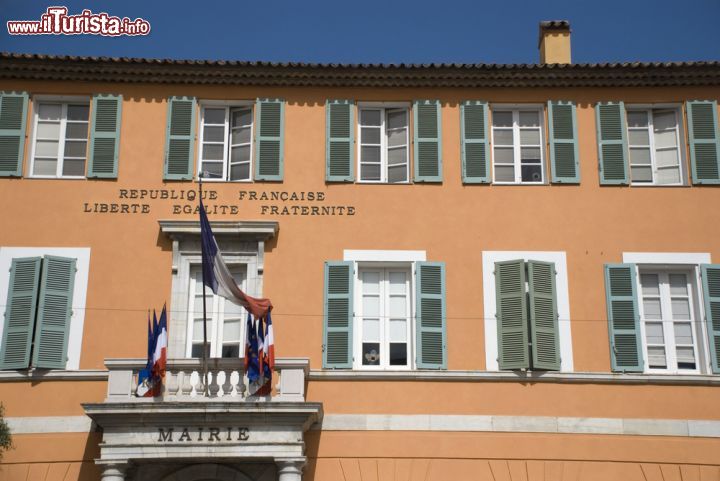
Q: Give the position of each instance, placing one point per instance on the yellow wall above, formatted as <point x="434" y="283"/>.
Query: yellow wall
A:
<point x="555" y="47"/>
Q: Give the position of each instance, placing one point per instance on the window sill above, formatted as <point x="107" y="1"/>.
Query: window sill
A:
<point x="48" y="177"/>
<point x="512" y="376"/>
<point x="35" y="375"/>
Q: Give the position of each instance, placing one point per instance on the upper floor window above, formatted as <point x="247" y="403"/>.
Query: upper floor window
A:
<point x="517" y="139"/>
<point x="226" y="143"/>
<point x="61" y="139"/>
<point x="654" y="141"/>
<point x="384" y="145"/>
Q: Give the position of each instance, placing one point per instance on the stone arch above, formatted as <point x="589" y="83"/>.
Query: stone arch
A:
<point x="207" y="472"/>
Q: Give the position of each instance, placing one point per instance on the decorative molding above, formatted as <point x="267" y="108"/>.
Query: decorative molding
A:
<point x="670" y="258"/>
<point x="261" y="229"/>
<point x="384" y="256"/>
<point x="50" y="424"/>
<point x="37" y="375"/>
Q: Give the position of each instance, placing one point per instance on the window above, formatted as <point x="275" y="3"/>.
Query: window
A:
<point x="61" y="139"/>
<point x="654" y="139"/>
<point x="384" y="317"/>
<point x="384" y="145"/>
<point x="44" y="306"/>
<point x="668" y="320"/>
<point x="517" y="139"/>
<point x="226" y="143"/>
<point x="225" y="320"/>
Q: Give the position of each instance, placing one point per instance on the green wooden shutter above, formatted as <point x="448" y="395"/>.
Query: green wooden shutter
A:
<point x="612" y="143"/>
<point x="511" y="315"/>
<point x="427" y="141"/>
<point x="269" y="134"/>
<point x="564" y="153"/>
<point x="105" y="136"/>
<point x="431" y="352"/>
<point x="20" y="312"/>
<point x="180" y="139"/>
<point x="339" y="141"/>
<point x="338" y="323"/>
<point x="545" y="333"/>
<point x="711" y="295"/>
<point x="704" y="141"/>
<point x="54" y="312"/>
<point x="13" y="118"/>
<point x="623" y="317"/>
<point x="474" y="139"/>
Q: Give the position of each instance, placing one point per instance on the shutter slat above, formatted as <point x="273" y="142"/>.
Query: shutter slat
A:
<point x="269" y="139"/>
<point x="711" y="296"/>
<point x="20" y="312"/>
<point x="704" y="141"/>
<point x="105" y="136"/>
<point x="338" y="315"/>
<point x="612" y="143"/>
<point x="623" y="318"/>
<point x="564" y="153"/>
<point x="13" y="119"/>
<point x="339" y="140"/>
<point x="180" y="139"/>
<point x="54" y="312"/>
<point x="511" y="315"/>
<point x="544" y="315"/>
<point x="427" y="141"/>
<point x="474" y="139"/>
<point x="431" y="351"/>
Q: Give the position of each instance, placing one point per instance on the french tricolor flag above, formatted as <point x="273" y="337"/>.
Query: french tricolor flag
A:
<point x="160" y="352"/>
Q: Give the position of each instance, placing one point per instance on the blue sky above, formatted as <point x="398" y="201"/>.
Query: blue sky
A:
<point x="389" y="31"/>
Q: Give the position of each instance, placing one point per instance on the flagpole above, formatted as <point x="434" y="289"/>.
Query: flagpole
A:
<point x="205" y="343"/>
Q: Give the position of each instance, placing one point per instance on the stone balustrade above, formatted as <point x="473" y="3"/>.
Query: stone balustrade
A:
<point x="226" y="381"/>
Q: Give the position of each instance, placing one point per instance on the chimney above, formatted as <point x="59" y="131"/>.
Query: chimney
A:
<point x="554" y="41"/>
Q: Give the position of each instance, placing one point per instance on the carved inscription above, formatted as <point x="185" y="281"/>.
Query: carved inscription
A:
<point x="211" y="434"/>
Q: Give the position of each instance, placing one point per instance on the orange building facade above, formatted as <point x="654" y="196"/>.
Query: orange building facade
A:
<point x="501" y="272"/>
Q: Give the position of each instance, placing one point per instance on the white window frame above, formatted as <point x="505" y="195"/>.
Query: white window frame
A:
<point x="77" y="318"/>
<point x="677" y="108"/>
<point x="215" y="308"/>
<point x="227" y="146"/>
<point x="688" y="262"/>
<point x="384" y="107"/>
<point x="489" y="258"/>
<point x="64" y="100"/>
<point x="517" y="147"/>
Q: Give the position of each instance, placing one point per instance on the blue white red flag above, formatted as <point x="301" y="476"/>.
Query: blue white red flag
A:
<point x="160" y="352"/>
<point x="144" y="387"/>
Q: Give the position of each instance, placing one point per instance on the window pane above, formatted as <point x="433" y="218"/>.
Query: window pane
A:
<point x="678" y="285"/>
<point x="241" y="117"/>
<point x="371" y="306"/>
<point x="214" y="116"/>
<point x="502" y="119"/>
<point x="78" y="112"/>
<point x="504" y="173"/>
<point x="241" y="136"/>
<point x="371" y="354"/>
<point x="397" y="282"/>
<point x="212" y="170"/>
<point x="45" y="167"/>
<point x="48" y="131"/>
<point x="240" y="154"/>
<point x="198" y="329"/>
<point x="668" y="176"/>
<point x="683" y="333"/>
<point x="397" y="156"/>
<point x="398" y="354"/>
<point x="213" y="152"/>
<point x="531" y="173"/>
<point x="641" y="174"/>
<point x="640" y="156"/>
<point x="370" y="172"/>
<point x="666" y="158"/>
<point x="370" y="154"/>
<point x="46" y="148"/>
<point x="76" y="131"/>
<point x="680" y="309"/>
<point x="638" y="137"/>
<point x="396" y="119"/>
<point x="529" y="137"/>
<point x="214" y="134"/>
<point x="398" y="330"/>
<point x="49" y="112"/>
<point x="530" y="155"/>
<point x="231" y="330"/>
<point x="667" y="138"/>
<point x="529" y="119"/>
<point x="503" y="137"/>
<point x="370" y="117"/>
<point x="397" y="137"/>
<point x="654" y="333"/>
<point x="504" y="155"/>
<point x="240" y="172"/>
<point x="652" y="309"/>
<point x="231" y="350"/>
<point x="75" y="148"/>
<point x="371" y="282"/>
<point x="197" y="350"/>
<point x="664" y="120"/>
<point x="637" y="119"/>
<point x="74" y="167"/>
<point x="398" y="306"/>
<point x="370" y="135"/>
<point x="650" y="284"/>
<point x="656" y="357"/>
<point x="397" y="173"/>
